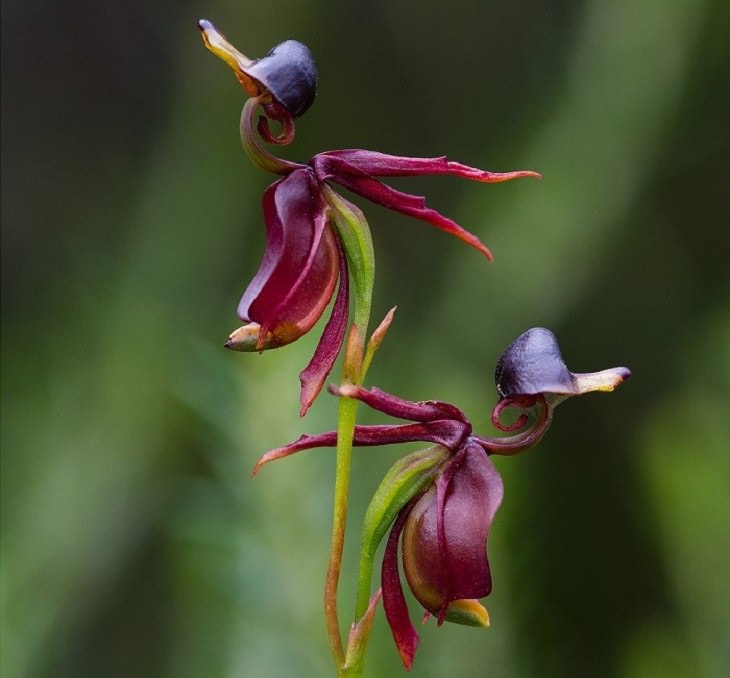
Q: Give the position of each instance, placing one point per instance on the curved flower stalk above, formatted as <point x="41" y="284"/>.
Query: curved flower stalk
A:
<point x="306" y="255"/>
<point x="441" y="501"/>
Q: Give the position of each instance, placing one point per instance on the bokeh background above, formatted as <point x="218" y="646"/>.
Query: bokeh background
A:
<point x="134" y="542"/>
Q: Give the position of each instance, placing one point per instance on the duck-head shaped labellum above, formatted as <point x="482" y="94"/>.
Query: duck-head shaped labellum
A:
<point x="287" y="73"/>
<point x="533" y="365"/>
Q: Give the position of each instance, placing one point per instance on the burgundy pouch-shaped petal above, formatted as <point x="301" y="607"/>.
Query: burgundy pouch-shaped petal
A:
<point x="300" y="266"/>
<point x="445" y="534"/>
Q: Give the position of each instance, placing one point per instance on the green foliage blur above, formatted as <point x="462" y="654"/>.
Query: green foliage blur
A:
<point x="134" y="542"/>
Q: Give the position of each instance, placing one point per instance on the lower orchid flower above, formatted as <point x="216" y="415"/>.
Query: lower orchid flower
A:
<point x="440" y="502"/>
<point x="444" y="548"/>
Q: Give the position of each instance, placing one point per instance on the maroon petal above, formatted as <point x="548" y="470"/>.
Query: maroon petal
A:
<point x="427" y="410"/>
<point x="445" y="536"/>
<point x="303" y="442"/>
<point x="316" y="372"/>
<point x="299" y="270"/>
<point x="475" y="488"/>
<point x="331" y="167"/>
<point x="383" y="165"/>
<point x="394" y="602"/>
<point x="446" y="432"/>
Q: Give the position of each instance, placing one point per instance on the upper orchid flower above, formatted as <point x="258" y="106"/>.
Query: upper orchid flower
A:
<point x="442" y="500"/>
<point x="315" y="239"/>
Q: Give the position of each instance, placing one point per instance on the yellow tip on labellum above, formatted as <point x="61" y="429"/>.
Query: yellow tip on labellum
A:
<point x="468" y="612"/>
<point x="605" y="380"/>
<point x="217" y="43"/>
<point x="246" y="339"/>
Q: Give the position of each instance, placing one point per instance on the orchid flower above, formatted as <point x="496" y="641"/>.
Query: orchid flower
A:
<point x="441" y="501"/>
<point x="310" y="249"/>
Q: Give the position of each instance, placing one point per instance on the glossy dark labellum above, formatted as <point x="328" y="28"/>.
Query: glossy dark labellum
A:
<point x="533" y="364"/>
<point x="289" y="73"/>
<point x="286" y="76"/>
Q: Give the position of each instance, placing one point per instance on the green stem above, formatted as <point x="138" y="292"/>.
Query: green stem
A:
<point x="347" y="417"/>
<point x="364" y="582"/>
<point x="355" y="237"/>
<point x="347" y="413"/>
<point x="407" y="478"/>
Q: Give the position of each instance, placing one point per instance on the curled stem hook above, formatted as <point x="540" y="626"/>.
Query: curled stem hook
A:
<point x="252" y="129"/>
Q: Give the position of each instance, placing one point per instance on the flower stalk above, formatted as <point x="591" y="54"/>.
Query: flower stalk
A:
<point x="357" y="242"/>
<point x="256" y="152"/>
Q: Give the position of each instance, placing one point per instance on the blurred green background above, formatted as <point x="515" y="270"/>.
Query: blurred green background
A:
<point x="133" y="541"/>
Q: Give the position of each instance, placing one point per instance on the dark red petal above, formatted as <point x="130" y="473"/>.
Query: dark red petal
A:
<point x="303" y="442"/>
<point x="334" y="168"/>
<point x="443" y="487"/>
<point x="453" y="565"/>
<point x="383" y="165"/>
<point x="316" y="372"/>
<point x="394" y="602"/>
<point x="427" y="410"/>
<point x="300" y="266"/>
<point x="475" y="488"/>
<point x="444" y="432"/>
<point x="273" y="253"/>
